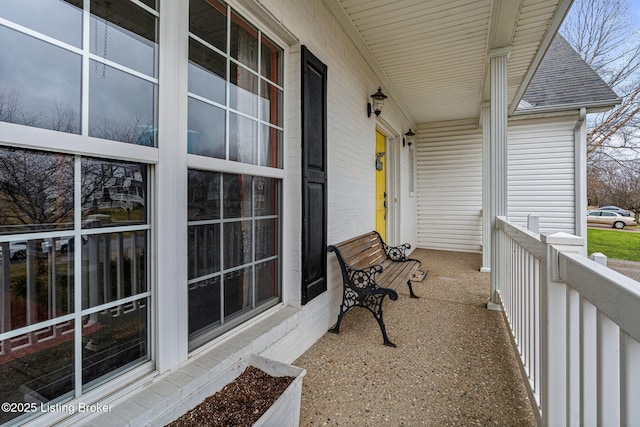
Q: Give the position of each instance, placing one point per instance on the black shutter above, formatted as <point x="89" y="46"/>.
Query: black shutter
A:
<point x="314" y="176"/>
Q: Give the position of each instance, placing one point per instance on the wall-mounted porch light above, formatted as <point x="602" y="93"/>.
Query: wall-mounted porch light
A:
<point x="409" y="138"/>
<point x="378" y="103"/>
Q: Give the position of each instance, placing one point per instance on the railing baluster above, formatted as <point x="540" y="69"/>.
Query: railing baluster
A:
<point x="574" y="358"/>
<point x="608" y="372"/>
<point x="589" y="368"/>
<point x="630" y="377"/>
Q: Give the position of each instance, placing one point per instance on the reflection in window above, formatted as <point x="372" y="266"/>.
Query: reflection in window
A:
<point x="124" y="33"/>
<point x="206" y="129"/>
<point x="121" y="105"/>
<point x="36" y="280"/>
<point x="30" y="97"/>
<point x="60" y="20"/>
<point x="114" y="267"/>
<point x="37" y="366"/>
<point x="36" y="191"/>
<point x="113" y="193"/>
<point x="234" y="256"/>
<point x="115" y="338"/>
<point x="207" y="73"/>
<point x="52" y="280"/>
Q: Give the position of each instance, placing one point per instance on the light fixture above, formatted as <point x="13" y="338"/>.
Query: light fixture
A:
<point x="409" y="138"/>
<point x="378" y="103"/>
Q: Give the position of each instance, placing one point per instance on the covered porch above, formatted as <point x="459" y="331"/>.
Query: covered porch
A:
<point x="562" y="347"/>
<point x="454" y="364"/>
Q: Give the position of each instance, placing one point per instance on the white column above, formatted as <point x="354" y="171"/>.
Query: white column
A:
<point x="170" y="221"/>
<point x="498" y="157"/>
<point x="485" y="121"/>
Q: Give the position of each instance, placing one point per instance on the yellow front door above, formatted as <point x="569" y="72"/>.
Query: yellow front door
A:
<point x="381" y="186"/>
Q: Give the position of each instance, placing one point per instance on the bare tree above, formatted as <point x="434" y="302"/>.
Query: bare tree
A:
<point x="607" y="37"/>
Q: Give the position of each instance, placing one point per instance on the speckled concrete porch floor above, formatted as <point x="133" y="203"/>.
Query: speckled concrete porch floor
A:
<point x="454" y="365"/>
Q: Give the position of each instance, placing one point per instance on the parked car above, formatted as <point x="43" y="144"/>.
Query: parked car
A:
<point x="615" y="209"/>
<point x="17" y="251"/>
<point x="610" y="219"/>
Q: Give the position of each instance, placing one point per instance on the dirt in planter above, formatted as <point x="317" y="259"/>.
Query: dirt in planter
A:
<point x="240" y="403"/>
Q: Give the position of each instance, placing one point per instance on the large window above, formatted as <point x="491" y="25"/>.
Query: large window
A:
<point x="235" y="114"/>
<point x="73" y="269"/>
<point x="75" y="226"/>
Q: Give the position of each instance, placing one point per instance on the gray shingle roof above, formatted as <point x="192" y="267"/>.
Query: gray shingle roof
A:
<point x="563" y="78"/>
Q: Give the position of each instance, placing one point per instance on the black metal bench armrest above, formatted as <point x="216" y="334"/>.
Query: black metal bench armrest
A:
<point x="360" y="280"/>
<point x="396" y="253"/>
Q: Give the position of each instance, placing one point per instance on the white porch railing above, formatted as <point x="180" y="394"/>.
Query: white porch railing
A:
<point x="576" y="328"/>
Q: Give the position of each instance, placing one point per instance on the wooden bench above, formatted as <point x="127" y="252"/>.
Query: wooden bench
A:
<point x="372" y="270"/>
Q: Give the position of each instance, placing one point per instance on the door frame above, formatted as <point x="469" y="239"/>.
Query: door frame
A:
<point x="393" y="143"/>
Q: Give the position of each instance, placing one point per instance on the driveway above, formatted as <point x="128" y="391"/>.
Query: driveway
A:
<point x="628" y="268"/>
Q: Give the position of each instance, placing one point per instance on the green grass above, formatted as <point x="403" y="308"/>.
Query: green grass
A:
<point x="614" y="244"/>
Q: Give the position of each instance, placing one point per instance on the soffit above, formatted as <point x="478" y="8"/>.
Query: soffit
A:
<point x="432" y="54"/>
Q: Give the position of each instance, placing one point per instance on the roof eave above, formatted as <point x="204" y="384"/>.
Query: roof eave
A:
<point x="591" y="107"/>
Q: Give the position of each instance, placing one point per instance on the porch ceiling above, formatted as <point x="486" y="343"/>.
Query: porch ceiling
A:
<point x="431" y="55"/>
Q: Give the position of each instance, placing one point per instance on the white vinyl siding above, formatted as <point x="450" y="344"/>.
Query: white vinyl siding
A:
<point x="541" y="172"/>
<point x="449" y="184"/>
<point x="449" y="188"/>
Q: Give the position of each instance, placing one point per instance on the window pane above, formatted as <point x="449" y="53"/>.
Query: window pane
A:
<point x="121" y="106"/>
<point x="243" y="90"/>
<point x="267" y="280"/>
<point x="271" y="61"/>
<point x="237" y="243"/>
<point x="61" y="20"/>
<point x="237" y="292"/>
<point x="204" y="250"/>
<point x="204" y="304"/>
<point x="36" y="281"/>
<point x="207" y="73"/>
<point x="150" y="3"/>
<point x="267" y="198"/>
<point x="267" y="233"/>
<point x="113" y="267"/>
<point x="271" y="104"/>
<point x="129" y="36"/>
<point x="36" y="191"/>
<point x="244" y="42"/>
<point x="113" y="193"/>
<point x="206" y="130"/>
<point x="115" y="338"/>
<point x="208" y="20"/>
<point x="37" y="367"/>
<point x="203" y="195"/>
<point x="243" y="139"/>
<point x="31" y="97"/>
<point x="237" y="196"/>
<point x="270" y="147"/>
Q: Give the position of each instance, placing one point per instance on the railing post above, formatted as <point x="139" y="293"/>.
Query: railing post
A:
<point x="557" y="377"/>
<point x="600" y="258"/>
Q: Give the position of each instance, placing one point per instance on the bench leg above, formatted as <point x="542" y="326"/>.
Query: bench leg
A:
<point x="411" y="290"/>
<point x="374" y="305"/>
<point x="386" y="339"/>
<point x="336" y="328"/>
